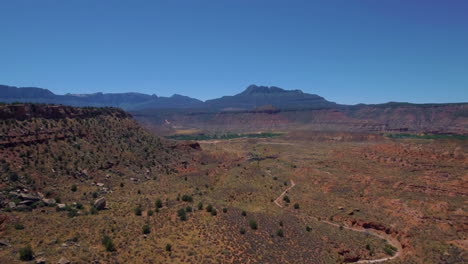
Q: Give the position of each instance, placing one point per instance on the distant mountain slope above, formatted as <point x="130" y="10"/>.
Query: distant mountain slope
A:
<point x="253" y="97"/>
<point x="127" y="101"/>
<point x="258" y="96"/>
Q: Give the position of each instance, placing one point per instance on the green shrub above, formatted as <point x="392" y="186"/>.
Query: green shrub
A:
<point x="19" y="226"/>
<point x="253" y="224"/>
<point x="286" y="199"/>
<point x="146" y="229"/>
<point x="244" y="213"/>
<point x="138" y="211"/>
<point x="280" y="223"/>
<point x="390" y="250"/>
<point x="79" y="206"/>
<point x="108" y="244"/>
<point x="225" y="210"/>
<point x="159" y="203"/>
<point x="209" y="208"/>
<point x="26" y="253"/>
<point x="296" y="206"/>
<point x="308" y="228"/>
<point x="182" y="214"/>
<point x="280" y="233"/>
<point x="13" y="176"/>
<point x="214" y="212"/>
<point x="74" y="188"/>
<point x="187" y="198"/>
<point x="72" y="213"/>
<point x="200" y="206"/>
<point x="121" y="185"/>
<point x="93" y="211"/>
<point x="188" y="209"/>
<point x="242" y="231"/>
<point x="168" y="247"/>
<point x="150" y="212"/>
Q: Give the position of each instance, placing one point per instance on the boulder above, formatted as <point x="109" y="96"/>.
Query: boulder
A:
<point x="63" y="261"/>
<point x="100" y="203"/>
<point x="49" y="202"/>
<point x="27" y="196"/>
<point x="41" y="261"/>
<point x="61" y="206"/>
<point x="12" y="205"/>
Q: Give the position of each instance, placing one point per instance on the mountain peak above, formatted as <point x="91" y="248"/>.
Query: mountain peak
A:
<point x="254" y="89"/>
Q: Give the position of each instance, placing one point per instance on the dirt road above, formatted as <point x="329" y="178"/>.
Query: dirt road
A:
<point x="382" y="235"/>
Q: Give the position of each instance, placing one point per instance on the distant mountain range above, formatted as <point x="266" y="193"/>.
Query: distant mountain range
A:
<point x="126" y="101"/>
<point x="260" y="108"/>
<point x="253" y="97"/>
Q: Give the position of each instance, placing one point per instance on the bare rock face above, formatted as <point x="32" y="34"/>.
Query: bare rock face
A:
<point x="100" y="203"/>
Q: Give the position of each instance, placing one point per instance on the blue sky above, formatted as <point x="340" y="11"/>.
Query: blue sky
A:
<point x="348" y="51"/>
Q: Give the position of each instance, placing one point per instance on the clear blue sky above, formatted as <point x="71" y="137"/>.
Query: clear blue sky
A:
<point x="348" y="51"/>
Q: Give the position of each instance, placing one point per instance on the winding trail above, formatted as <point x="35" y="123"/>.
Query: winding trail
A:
<point x="382" y="235"/>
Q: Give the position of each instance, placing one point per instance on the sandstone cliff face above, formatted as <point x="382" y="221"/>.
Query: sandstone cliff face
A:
<point x="28" y="111"/>
<point x="390" y="118"/>
<point x="50" y="143"/>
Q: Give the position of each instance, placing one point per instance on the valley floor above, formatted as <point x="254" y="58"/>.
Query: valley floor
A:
<point x="288" y="199"/>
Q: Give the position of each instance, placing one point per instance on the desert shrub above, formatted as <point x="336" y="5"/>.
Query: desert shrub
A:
<point x="121" y="185"/>
<point x="19" y="226"/>
<point x="72" y="213"/>
<point x="253" y="224"/>
<point x="244" y="213"/>
<point x="95" y="195"/>
<point x="79" y="206"/>
<point x="168" y="247"/>
<point x="187" y="198"/>
<point x="225" y="210"/>
<point x="209" y="208"/>
<point x="93" y="210"/>
<point x="280" y="233"/>
<point x="13" y="176"/>
<point x="26" y="253"/>
<point x="390" y="250"/>
<point x="182" y="214"/>
<point x="308" y="228"/>
<point x="296" y="206"/>
<point x="286" y="199"/>
<point x="280" y="223"/>
<point x="150" y="212"/>
<point x="74" y="188"/>
<point x="242" y="231"/>
<point x="146" y="229"/>
<point x="200" y="206"/>
<point x="214" y="212"/>
<point x="108" y="244"/>
<point x="137" y="211"/>
<point x="188" y="209"/>
<point x="159" y="203"/>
